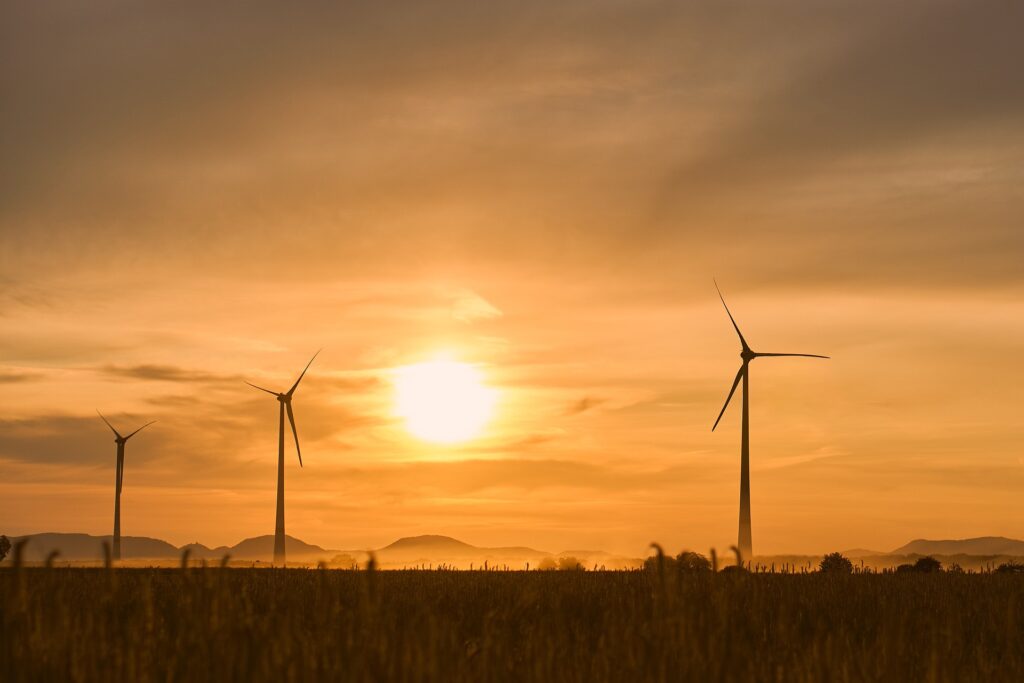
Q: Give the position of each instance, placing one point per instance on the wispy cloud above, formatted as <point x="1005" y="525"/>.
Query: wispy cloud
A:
<point x="165" y="373"/>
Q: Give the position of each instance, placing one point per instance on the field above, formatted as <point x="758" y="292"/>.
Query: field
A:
<point x="316" y="624"/>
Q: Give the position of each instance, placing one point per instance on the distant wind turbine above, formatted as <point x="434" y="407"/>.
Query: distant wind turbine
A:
<point x="745" y="544"/>
<point x="119" y="480"/>
<point x="285" y="400"/>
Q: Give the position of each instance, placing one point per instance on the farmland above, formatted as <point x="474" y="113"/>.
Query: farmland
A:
<point x="305" y="624"/>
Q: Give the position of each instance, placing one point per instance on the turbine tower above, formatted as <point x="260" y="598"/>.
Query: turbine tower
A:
<point x="285" y="400"/>
<point x="745" y="544"/>
<point x="119" y="480"/>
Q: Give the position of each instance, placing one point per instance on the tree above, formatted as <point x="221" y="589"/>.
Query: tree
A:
<point x="927" y="565"/>
<point x="344" y="561"/>
<point x="924" y="565"/>
<point x="835" y="563"/>
<point x="688" y="561"/>
<point x="5" y="547"/>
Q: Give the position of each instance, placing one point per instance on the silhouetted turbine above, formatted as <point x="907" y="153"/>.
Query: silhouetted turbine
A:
<point x="119" y="480"/>
<point x="285" y="400"/>
<point x="745" y="543"/>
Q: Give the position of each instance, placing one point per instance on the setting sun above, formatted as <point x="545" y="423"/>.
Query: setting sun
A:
<point x="442" y="400"/>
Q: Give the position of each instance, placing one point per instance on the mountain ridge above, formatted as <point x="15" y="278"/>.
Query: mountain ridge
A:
<point x="426" y="550"/>
<point x="980" y="545"/>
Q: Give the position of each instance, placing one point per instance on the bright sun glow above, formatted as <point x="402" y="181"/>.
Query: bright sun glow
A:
<point x="443" y="400"/>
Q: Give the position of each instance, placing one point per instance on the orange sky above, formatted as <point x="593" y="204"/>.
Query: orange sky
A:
<point x="192" y="197"/>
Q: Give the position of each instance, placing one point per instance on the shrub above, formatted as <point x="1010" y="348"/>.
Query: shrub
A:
<point x="569" y="562"/>
<point x="1011" y="567"/>
<point x="5" y="547"/>
<point x="687" y="561"/>
<point x="344" y="561"/>
<point x="547" y="564"/>
<point x="927" y="565"/>
<point x="835" y="563"/>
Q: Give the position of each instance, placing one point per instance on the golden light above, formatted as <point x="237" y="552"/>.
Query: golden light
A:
<point x="443" y="400"/>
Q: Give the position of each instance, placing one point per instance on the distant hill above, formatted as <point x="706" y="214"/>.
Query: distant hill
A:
<point x="85" y="547"/>
<point x="984" y="545"/>
<point x="434" y="550"/>
<point x="262" y="548"/>
<point x="431" y="542"/>
<point x="862" y="552"/>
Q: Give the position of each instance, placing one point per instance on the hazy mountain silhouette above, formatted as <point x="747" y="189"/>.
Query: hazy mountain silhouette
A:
<point x="84" y="547"/>
<point x="862" y="552"/>
<point x="262" y="547"/>
<point x="75" y="547"/>
<point x="431" y="542"/>
<point x="984" y="545"/>
<point x="434" y="550"/>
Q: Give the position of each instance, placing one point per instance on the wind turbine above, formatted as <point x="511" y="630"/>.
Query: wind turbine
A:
<point x="119" y="480"/>
<point x="745" y="544"/>
<point x="285" y="400"/>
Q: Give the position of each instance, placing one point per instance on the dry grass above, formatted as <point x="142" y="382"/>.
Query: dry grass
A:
<point x="295" y="624"/>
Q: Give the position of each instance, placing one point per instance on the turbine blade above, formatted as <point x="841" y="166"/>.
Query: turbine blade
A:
<point x="120" y="476"/>
<point x="728" y="398"/>
<point x="729" y="313"/>
<point x="272" y="393"/>
<point x="109" y="425"/>
<point x="295" y="432"/>
<point x="138" y="430"/>
<point x="296" y="385"/>
<point x="800" y="355"/>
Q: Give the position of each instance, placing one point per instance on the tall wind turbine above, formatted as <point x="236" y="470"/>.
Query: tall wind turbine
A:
<point x="747" y="354"/>
<point x="119" y="480"/>
<point x="285" y="400"/>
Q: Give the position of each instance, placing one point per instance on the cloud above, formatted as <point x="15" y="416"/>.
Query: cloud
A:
<point x="469" y="307"/>
<point x="165" y="373"/>
<point x="558" y="139"/>
<point x="583" y="405"/>
<point x="14" y="377"/>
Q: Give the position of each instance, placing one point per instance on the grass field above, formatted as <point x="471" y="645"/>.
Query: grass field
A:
<point x="308" y="624"/>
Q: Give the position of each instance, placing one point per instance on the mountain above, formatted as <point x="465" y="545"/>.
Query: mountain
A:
<point x="262" y="548"/>
<point x="856" y="553"/>
<point x="984" y="545"/>
<point x="433" y="549"/>
<point x="86" y="548"/>
<point x="444" y="550"/>
<point x="199" y="551"/>
<point x="431" y="542"/>
<point x="73" y="547"/>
